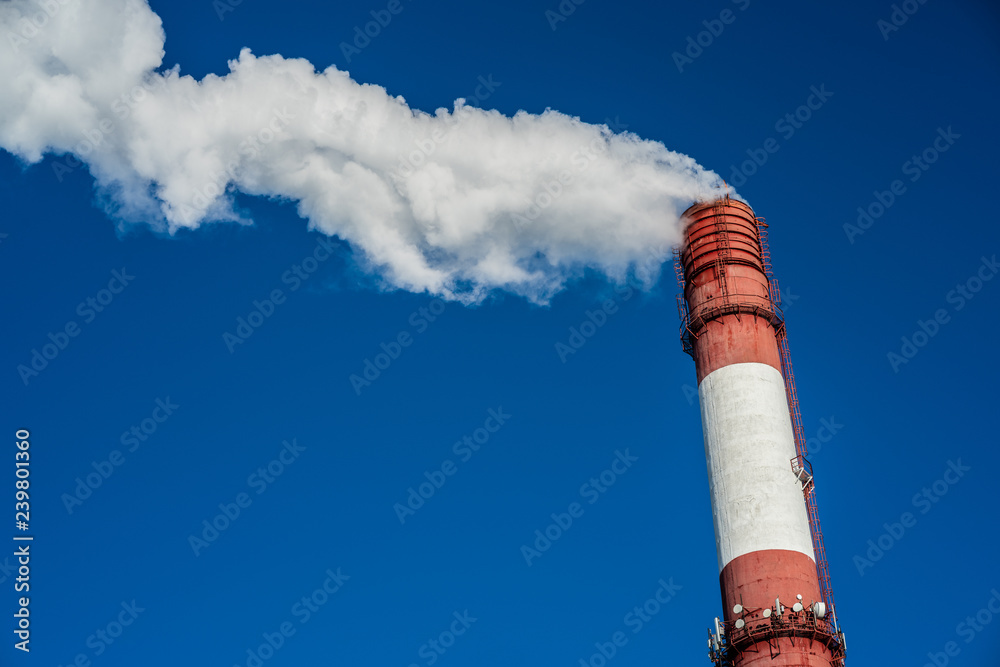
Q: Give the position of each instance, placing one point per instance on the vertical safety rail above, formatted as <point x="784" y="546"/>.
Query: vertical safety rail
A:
<point x="682" y="306"/>
<point x="822" y="566"/>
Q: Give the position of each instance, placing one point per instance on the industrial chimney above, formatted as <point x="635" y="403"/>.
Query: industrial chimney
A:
<point x="778" y="607"/>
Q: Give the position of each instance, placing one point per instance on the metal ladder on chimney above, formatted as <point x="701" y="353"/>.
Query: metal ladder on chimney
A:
<point x="723" y="252"/>
<point x="800" y="464"/>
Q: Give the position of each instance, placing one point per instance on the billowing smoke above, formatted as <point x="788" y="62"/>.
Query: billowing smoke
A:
<point x="456" y="203"/>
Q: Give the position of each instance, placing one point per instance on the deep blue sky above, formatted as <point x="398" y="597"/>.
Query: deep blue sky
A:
<point x="849" y="305"/>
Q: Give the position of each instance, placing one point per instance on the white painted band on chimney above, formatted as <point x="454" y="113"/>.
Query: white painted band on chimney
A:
<point x="757" y="502"/>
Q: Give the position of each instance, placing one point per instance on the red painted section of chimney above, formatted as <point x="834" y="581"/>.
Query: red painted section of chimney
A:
<point x="757" y="579"/>
<point x="738" y="249"/>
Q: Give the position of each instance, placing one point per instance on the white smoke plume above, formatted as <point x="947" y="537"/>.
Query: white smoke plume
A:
<point x="456" y="203"/>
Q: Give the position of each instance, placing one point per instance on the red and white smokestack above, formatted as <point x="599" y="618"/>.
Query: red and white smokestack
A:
<point x="767" y="565"/>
